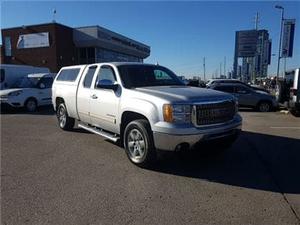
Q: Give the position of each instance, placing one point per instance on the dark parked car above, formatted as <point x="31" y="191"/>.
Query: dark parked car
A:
<point x="212" y="82"/>
<point x="248" y="97"/>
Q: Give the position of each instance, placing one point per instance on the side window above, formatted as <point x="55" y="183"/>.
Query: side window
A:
<point x="47" y="81"/>
<point x="89" y="76"/>
<point x="2" y="75"/>
<point x="241" y="90"/>
<point x="68" y="75"/>
<point x="161" y="75"/>
<point x="106" y="73"/>
<point x="228" y="89"/>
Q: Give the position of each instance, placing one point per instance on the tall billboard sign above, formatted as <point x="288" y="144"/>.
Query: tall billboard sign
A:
<point x="288" y="38"/>
<point x="246" y="43"/>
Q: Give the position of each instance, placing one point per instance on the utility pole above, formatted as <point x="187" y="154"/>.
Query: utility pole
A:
<point x="284" y="68"/>
<point x="256" y="21"/>
<point x="279" y="47"/>
<point x="54" y="14"/>
<point x="204" y="69"/>
<point x="225" y="66"/>
<point x="220" y="69"/>
<point x="253" y="61"/>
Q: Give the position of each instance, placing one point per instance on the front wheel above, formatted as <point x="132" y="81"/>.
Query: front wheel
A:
<point x="64" y="121"/>
<point x="138" y="143"/>
<point x="31" y="105"/>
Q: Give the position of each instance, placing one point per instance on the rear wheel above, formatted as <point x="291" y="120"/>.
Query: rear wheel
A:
<point x="295" y="112"/>
<point x="64" y="121"/>
<point x="264" y="107"/>
<point x="138" y="143"/>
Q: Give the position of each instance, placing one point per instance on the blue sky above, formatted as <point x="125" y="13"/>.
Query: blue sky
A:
<point x="180" y="33"/>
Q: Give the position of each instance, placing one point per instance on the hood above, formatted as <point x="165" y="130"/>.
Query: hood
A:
<point x="7" y="91"/>
<point x="185" y="93"/>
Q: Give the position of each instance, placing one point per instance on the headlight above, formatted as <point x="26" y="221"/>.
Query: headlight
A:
<point x="236" y="105"/>
<point x="177" y="113"/>
<point x="15" y="93"/>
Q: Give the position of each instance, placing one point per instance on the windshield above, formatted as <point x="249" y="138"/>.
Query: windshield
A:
<point x="134" y="76"/>
<point x="27" y="82"/>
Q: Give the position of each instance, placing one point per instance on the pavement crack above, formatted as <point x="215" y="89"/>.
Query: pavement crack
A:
<point x="273" y="177"/>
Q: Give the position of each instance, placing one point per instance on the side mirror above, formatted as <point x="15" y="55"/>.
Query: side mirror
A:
<point x="107" y="84"/>
<point x="42" y="86"/>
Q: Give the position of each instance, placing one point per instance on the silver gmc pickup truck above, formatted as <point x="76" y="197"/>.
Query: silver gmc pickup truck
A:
<point x="146" y="107"/>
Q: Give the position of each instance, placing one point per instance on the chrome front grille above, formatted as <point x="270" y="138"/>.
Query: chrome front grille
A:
<point x="214" y="113"/>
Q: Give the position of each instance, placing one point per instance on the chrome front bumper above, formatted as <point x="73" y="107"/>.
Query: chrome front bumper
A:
<point x="168" y="142"/>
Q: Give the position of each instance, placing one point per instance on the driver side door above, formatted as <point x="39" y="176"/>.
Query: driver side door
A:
<point x="104" y="102"/>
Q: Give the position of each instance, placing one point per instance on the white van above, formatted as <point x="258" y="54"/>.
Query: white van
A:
<point x="29" y="91"/>
<point x="10" y="73"/>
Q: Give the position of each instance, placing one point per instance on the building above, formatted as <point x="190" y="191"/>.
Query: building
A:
<point x="1" y="55"/>
<point x="47" y="45"/>
<point x="97" y="44"/>
<point x="254" y="48"/>
<point x="54" y="45"/>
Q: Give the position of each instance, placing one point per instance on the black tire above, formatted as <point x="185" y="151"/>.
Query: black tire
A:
<point x="264" y="106"/>
<point x="31" y="105"/>
<point x="138" y="143"/>
<point x="295" y="112"/>
<point x="64" y="121"/>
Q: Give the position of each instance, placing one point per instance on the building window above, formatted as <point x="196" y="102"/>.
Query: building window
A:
<point x="7" y="44"/>
<point x="103" y="55"/>
<point x="86" y="55"/>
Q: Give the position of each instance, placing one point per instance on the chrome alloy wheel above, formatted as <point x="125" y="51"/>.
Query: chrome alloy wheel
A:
<point x="136" y="145"/>
<point x="61" y="115"/>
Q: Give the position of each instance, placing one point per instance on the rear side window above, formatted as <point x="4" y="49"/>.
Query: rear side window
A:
<point x="47" y="81"/>
<point x="242" y="90"/>
<point x="228" y="89"/>
<point x="68" y="75"/>
<point x="2" y="75"/>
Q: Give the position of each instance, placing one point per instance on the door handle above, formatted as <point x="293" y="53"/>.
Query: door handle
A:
<point x="94" y="96"/>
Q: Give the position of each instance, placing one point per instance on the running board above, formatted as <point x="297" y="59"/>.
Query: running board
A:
<point x="100" y="132"/>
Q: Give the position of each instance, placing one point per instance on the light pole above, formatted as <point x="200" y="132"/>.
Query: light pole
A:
<point x="204" y="69"/>
<point x="279" y="48"/>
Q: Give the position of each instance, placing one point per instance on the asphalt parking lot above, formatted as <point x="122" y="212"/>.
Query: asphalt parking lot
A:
<point x="49" y="176"/>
